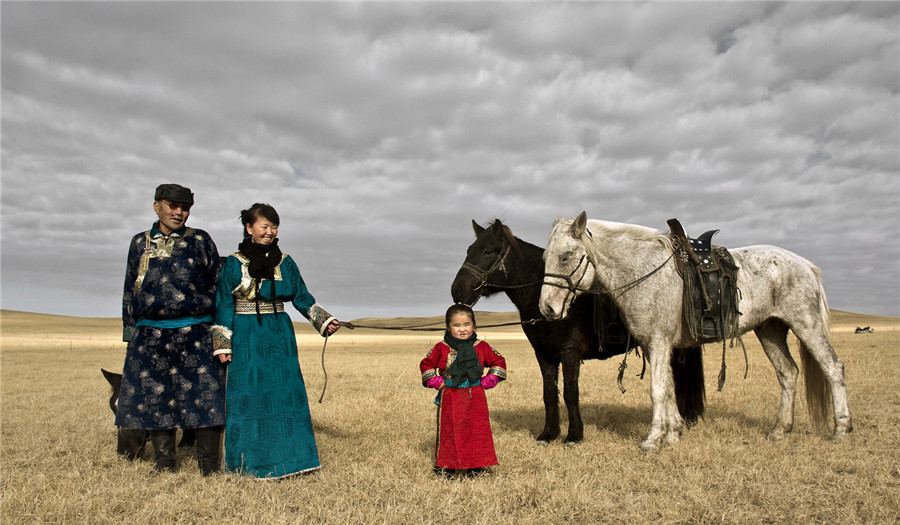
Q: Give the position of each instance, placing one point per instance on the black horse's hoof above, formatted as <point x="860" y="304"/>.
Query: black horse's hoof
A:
<point x="575" y="436"/>
<point x="547" y="436"/>
<point x="545" y="439"/>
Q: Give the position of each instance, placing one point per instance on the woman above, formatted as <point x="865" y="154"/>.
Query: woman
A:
<point x="268" y="429"/>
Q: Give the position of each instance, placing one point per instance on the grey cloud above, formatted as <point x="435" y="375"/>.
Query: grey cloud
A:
<point x="379" y="131"/>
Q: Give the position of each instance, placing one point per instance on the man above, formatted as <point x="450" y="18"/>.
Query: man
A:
<point x="170" y="379"/>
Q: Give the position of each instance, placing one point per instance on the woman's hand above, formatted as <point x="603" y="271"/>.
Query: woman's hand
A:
<point x="224" y="358"/>
<point x="334" y="326"/>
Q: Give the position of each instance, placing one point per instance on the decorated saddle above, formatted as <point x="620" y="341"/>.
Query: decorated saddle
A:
<point x="711" y="295"/>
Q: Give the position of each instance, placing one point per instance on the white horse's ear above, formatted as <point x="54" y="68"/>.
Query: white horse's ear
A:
<point x="556" y="221"/>
<point x="579" y="225"/>
<point x="478" y="229"/>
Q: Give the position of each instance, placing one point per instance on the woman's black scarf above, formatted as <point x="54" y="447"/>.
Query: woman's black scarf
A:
<point x="466" y="365"/>
<point x="264" y="258"/>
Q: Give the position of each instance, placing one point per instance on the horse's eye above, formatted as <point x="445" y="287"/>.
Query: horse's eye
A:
<point x="566" y="257"/>
<point x="488" y="253"/>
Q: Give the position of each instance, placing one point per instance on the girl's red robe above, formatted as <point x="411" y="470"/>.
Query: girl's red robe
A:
<point x="464" y="438"/>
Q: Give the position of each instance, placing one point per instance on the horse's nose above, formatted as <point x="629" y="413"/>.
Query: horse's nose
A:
<point x="548" y="311"/>
<point x="460" y="292"/>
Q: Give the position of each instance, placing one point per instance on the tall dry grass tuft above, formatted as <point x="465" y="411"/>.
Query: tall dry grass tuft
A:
<point x="375" y="431"/>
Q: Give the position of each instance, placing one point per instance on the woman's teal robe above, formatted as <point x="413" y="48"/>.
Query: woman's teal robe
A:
<point x="268" y="429"/>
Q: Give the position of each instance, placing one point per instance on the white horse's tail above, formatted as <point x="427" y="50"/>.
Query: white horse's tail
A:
<point x="818" y="389"/>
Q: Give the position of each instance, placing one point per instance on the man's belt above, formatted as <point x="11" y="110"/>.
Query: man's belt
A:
<point x="178" y="322"/>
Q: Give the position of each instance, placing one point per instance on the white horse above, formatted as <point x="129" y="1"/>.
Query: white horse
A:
<point x="779" y="291"/>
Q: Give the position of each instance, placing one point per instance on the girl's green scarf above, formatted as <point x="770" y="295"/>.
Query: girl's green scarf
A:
<point x="466" y="366"/>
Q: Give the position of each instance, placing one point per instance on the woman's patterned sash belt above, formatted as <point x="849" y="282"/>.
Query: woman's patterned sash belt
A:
<point x="265" y="307"/>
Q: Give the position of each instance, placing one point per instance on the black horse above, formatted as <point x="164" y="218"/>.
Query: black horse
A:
<point x="130" y="442"/>
<point x="498" y="261"/>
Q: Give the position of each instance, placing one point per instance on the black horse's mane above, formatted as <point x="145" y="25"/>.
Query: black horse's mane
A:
<point x="507" y="233"/>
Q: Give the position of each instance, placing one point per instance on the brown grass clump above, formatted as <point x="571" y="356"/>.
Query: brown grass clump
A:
<point x="375" y="432"/>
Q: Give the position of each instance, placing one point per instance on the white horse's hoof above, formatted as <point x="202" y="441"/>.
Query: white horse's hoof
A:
<point x="775" y="436"/>
<point x="651" y="445"/>
<point x="840" y="437"/>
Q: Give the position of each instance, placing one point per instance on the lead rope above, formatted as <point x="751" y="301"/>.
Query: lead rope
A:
<point x="324" y="386"/>
<point x="352" y="326"/>
<point x="623" y="365"/>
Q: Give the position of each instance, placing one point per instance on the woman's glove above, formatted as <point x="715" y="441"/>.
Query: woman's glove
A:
<point x="435" y="382"/>
<point x="489" y="381"/>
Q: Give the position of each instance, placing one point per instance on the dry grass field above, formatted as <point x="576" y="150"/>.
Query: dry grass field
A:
<point x="375" y="431"/>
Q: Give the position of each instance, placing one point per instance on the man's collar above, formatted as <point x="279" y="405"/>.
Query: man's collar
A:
<point x="154" y="231"/>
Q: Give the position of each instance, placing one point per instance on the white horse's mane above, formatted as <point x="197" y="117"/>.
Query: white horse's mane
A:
<point x="632" y="231"/>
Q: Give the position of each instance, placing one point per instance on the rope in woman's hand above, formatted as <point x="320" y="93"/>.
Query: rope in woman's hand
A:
<point x="424" y="328"/>
<point x="430" y="326"/>
<point x="324" y="386"/>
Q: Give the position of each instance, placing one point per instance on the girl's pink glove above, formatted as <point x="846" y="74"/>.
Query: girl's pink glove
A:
<point x="490" y="381"/>
<point x="434" y="382"/>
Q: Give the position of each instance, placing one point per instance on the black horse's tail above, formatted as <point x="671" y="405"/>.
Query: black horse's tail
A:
<point x="690" y="388"/>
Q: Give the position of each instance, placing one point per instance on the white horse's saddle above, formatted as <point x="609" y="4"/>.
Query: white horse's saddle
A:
<point x="710" y="301"/>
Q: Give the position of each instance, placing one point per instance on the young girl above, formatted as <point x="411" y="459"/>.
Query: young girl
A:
<point x="454" y="367"/>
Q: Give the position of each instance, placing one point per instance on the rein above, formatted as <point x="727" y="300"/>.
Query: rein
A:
<point x="574" y="287"/>
<point x="426" y="328"/>
<point x="420" y="328"/>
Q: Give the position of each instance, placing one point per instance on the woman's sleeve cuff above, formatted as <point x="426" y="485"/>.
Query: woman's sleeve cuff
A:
<point x="320" y="318"/>
<point x="221" y="339"/>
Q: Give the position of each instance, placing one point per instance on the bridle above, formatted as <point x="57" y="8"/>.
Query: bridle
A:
<point x="498" y="264"/>
<point x="482" y="275"/>
<point x="573" y="288"/>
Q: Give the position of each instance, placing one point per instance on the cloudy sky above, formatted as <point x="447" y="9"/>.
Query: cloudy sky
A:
<point x="381" y="130"/>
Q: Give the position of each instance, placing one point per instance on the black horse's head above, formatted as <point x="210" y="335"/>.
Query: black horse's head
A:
<point x="484" y="271"/>
<point x="129" y="441"/>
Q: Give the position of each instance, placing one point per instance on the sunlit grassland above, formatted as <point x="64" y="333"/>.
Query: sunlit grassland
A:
<point x="375" y="431"/>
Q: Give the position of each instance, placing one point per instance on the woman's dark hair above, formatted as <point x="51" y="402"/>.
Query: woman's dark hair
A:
<point x="459" y="309"/>
<point x="256" y="211"/>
